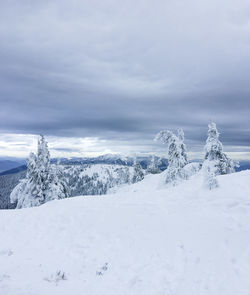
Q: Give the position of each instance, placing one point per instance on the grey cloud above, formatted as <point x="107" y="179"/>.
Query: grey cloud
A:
<point x="65" y="150"/>
<point x="121" y="71"/>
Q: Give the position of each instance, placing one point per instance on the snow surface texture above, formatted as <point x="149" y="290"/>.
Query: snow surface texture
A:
<point x="145" y="239"/>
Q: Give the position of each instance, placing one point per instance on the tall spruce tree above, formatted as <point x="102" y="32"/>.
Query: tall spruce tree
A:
<point x="177" y="156"/>
<point x="180" y="134"/>
<point x="214" y="152"/>
<point x="42" y="182"/>
<point x="216" y="162"/>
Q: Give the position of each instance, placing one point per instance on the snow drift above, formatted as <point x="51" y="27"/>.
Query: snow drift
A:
<point x="144" y="239"/>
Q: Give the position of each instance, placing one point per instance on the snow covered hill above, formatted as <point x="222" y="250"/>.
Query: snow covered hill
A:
<point x="144" y="239"/>
<point x="98" y="179"/>
<point x="94" y="179"/>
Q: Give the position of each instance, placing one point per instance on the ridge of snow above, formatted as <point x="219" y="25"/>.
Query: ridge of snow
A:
<point x="145" y="239"/>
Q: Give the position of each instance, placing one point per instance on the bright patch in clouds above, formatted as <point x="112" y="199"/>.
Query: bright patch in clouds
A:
<point x="20" y="145"/>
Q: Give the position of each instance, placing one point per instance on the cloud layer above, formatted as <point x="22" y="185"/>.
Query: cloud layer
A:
<point x="119" y="71"/>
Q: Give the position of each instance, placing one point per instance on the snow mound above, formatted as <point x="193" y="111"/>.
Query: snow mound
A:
<point x="146" y="239"/>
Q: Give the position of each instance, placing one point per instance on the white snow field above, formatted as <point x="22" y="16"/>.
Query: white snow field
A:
<point x="145" y="239"/>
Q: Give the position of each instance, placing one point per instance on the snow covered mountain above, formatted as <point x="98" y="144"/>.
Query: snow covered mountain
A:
<point x="98" y="179"/>
<point x="146" y="238"/>
<point x="116" y="159"/>
<point x="94" y="179"/>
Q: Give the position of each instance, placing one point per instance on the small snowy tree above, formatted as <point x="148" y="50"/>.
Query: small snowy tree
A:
<point x="153" y="167"/>
<point x="138" y="172"/>
<point x="58" y="185"/>
<point x="42" y="183"/>
<point x="216" y="162"/>
<point x="209" y="169"/>
<point x="177" y="156"/>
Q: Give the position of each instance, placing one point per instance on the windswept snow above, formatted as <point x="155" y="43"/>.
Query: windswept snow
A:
<point x="145" y="239"/>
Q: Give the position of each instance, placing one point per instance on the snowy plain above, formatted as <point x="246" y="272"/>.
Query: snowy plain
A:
<point x="144" y="238"/>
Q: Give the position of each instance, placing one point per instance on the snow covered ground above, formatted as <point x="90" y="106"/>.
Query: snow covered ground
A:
<point x="144" y="239"/>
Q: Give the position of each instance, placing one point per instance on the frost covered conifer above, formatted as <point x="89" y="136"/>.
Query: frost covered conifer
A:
<point x="138" y="172"/>
<point x="153" y="167"/>
<point x="210" y="180"/>
<point x="42" y="182"/>
<point x="214" y="152"/>
<point x="216" y="161"/>
<point x="58" y="186"/>
<point x="183" y="148"/>
<point x="177" y="156"/>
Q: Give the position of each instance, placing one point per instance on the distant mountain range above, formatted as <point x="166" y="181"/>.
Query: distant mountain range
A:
<point x="15" y="165"/>
<point x="7" y="163"/>
<point x="104" y="159"/>
<point x="244" y="165"/>
<point x="115" y="159"/>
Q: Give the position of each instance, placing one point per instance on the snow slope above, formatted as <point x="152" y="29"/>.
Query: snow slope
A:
<point x="145" y="239"/>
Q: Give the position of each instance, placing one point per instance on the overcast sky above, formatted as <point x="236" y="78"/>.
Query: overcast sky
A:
<point x="105" y="76"/>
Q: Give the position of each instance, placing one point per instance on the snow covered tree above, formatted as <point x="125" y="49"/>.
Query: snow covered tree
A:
<point x="214" y="152"/>
<point x="183" y="148"/>
<point x="25" y="194"/>
<point x="177" y="156"/>
<point x="58" y="185"/>
<point x="209" y="173"/>
<point x="138" y="172"/>
<point x="216" y="162"/>
<point x="42" y="182"/>
<point x="123" y="175"/>
<point x="153" y="167"/>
